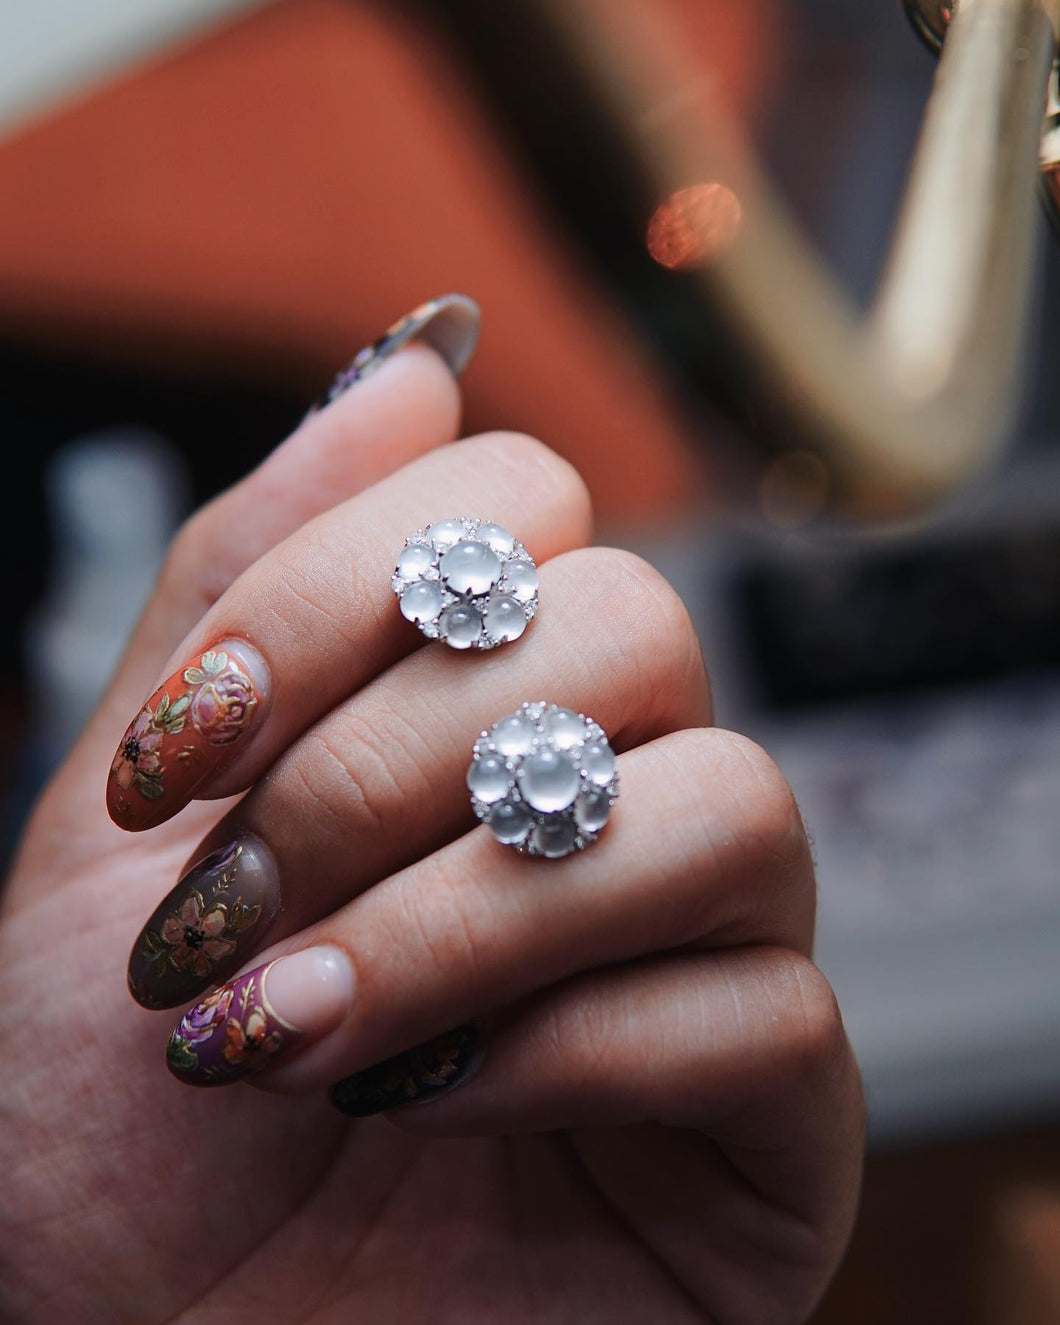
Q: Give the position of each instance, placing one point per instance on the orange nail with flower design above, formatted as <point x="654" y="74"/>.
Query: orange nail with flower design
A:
<point x="185" y="733"/>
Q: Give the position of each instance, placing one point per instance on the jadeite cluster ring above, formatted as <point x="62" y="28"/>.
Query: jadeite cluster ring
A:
<point x="467" y="582"/>
<point x="544" y="779"/>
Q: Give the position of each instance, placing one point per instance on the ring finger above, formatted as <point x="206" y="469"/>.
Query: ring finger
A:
<point x="473" y="928"/>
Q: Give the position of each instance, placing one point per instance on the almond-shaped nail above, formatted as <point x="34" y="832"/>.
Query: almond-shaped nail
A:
<point x="190" y="727"/>
<point x="208" y="924"/>
<point x="448" y="324"/>
<point x="248" y="1022"/>
<point x="423" y="1073"/>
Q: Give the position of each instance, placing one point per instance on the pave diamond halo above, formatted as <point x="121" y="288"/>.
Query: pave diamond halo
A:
<point x="543" y="779"/>
<point x="467" y="582"/>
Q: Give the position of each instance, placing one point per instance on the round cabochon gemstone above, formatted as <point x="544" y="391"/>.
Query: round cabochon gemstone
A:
<point x="505" y="618"/>
<point x="513" y="735"/>
<point x="555" y="837"/>
<point x="591" y="809"/>
<point x="565" y="728"/>
<point x="460" y="626"/>
<point x="415" y="560"/>
<point x="548" y="781"/>
<point x="598" y="761"/>
<point x="444" y="533"/>
<point x="522" y="580"/>
<point x="510" y="822"/>
<point x="470" y="568"/>
<point x="488" y="779"/>
<point x="421" y="601"/>
<point x="496" y="537"/>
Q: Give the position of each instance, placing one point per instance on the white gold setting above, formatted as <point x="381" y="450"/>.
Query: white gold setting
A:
<point x="544" y="779"/>
<point x="468" y="582"/>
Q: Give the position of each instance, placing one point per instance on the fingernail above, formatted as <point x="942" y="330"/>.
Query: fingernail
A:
<point x="419" y="1074"/>
<point x="185" y="732"/>
<point x="449" y="324"/>
<point x="207" y="925"/>
<point x="248" y="1022"/>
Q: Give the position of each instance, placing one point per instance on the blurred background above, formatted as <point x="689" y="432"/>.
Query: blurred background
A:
<point x="207" y="206"/>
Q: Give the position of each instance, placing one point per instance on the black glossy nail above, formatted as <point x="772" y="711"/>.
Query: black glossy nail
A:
<point x="206" y="926"/>
<point x="449" y="324"/>
<point x="423" y="1073"/>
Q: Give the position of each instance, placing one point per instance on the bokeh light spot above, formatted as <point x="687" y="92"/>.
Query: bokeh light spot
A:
<point x="693" y="225"/>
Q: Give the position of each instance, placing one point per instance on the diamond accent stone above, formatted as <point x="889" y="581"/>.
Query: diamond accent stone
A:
<point x="535" y="781"/>
<point x="466" y="581"/>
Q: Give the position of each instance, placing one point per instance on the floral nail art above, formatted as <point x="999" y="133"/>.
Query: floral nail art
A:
<point x="177" y="739"/>
<point x="449" y="324"/>
<point x="207" y="926"/>
<point x="228" y="1034"/>
<point x="422" y="1073"/>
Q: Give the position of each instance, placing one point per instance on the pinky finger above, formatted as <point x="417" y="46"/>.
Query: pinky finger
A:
<point x="742" y="1048"/>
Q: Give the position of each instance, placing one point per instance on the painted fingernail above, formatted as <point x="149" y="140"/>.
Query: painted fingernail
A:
<point x="242" y="1026"/>
<point x="449" y="324"/>
<point x="185" y="732"/>
<point x="419" y="1074"/>
<point x="207" y="926"/>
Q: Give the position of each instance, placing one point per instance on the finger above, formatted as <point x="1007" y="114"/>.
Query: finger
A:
<point x="408" y="405"/>
<point x="387" y="769"/>
<point x="706" y="849"/>
<point x="746" y="1046"/>
<point x="314" y="619"/>
<point x="349" y="440"/>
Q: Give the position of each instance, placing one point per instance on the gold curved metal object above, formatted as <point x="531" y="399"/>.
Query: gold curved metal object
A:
<point x="904" y="403"/>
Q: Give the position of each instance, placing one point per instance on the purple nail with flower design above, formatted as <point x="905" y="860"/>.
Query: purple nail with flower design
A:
<point x="185" y="732"/>
<point x="207" y="926"/>
<point x="244" y="1025"/>
<point x="449" y="324"/>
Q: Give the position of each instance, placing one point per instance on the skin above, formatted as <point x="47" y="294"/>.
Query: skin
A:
<point x="666" y="1124"/>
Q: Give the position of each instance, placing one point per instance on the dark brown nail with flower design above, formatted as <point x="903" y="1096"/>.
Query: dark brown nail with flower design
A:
<point x="185" y="733"/>
<point x="248" y="1022"/>
<point x="422" y="1073"/>
<point x="207" y="926"/>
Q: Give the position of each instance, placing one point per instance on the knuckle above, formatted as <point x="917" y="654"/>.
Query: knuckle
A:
<point x="525" y="464"/>
<point x="371" y="779"/>
<point x="771" y="826"/>
<point x="453" y="934"/>
<point x="812" y="1039"/>
<point x="191" y="560"/>
<point x="639" y="604"/>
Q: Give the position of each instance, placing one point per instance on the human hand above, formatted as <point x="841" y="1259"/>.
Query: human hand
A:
<point x="656" y="1117"/>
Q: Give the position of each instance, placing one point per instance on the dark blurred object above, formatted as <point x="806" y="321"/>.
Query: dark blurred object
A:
<point x="879" y="618"/>
<point x="961" y="1234"/>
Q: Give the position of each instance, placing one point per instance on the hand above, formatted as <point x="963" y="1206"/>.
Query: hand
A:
<point x="655" y="1115"/>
